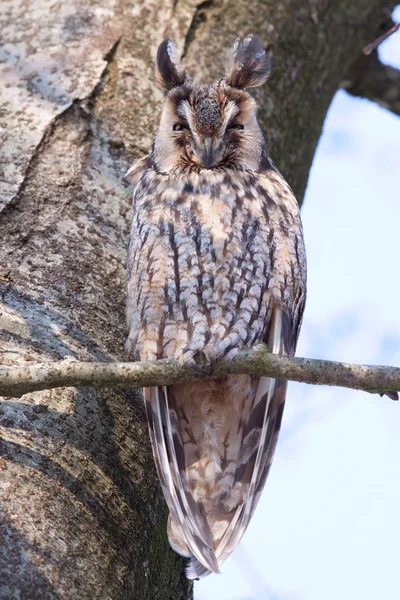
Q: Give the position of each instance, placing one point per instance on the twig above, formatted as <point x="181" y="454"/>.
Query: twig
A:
<point x="373" y="45"/>
<point x="16" y="381"/>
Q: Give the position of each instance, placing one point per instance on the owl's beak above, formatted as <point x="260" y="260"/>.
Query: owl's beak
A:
<point x="206" y="155"/>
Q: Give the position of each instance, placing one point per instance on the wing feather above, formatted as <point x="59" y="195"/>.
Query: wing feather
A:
<point x="167" y="446"/>
<point x="262" y="429"/>
<point x="194" y="531"/>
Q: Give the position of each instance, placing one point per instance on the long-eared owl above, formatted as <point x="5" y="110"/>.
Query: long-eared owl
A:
<point x="216" y="264"/>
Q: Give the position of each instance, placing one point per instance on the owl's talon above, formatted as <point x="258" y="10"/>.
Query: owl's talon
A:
<point x="212" y="366"/>
<point x="196" y="367"/>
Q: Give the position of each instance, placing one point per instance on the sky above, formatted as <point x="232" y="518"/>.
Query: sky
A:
<point x="328" y="522"/>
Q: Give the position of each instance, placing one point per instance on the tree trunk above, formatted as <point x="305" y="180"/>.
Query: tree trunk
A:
<point x="82" y="513"/>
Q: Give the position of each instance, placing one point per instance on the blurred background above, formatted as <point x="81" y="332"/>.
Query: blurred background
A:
<point x="328" y="524"/>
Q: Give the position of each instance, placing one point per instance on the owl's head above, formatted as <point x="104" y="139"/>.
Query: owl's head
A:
<point x="210" y="127"/>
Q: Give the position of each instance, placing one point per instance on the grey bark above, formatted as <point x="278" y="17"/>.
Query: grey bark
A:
<point x="82" y="513"/>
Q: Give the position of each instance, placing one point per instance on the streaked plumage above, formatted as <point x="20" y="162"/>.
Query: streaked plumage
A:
<point x="216" y="264"/>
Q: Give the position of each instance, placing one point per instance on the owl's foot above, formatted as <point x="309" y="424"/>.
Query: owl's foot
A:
<point x="212" y="366"/>
<point x="193" y="365"/>
<point x="190" y="361"/>
<point x="210" y="354"/>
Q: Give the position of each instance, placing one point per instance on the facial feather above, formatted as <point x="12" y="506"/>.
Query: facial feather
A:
<point x="205" y="128"/>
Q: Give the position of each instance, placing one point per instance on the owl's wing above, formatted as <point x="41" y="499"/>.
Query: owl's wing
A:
<point x="169" y="457"/>
<point x="190" y="528"/>
<point x="259" y="439"/>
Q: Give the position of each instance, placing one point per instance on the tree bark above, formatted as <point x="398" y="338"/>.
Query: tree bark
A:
<point x="82" y="513"/>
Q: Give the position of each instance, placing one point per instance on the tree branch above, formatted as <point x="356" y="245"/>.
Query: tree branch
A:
<point x="373" y="45"/>
<point x="371" y="79"/>
<point x="16" y="381"/>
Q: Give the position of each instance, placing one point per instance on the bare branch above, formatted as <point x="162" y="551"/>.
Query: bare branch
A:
<point x="258" y="361"/>
<point x="371" y="79"/>
<point x="373" y="46"/>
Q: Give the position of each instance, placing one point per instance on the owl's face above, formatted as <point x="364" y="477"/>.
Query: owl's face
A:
<point x="214" y="127"/>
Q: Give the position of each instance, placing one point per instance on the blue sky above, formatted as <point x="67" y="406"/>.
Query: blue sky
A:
<point x="328" y="523"/>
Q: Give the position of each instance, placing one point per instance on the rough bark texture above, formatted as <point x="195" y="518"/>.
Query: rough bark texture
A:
<point x="82" y="513"/>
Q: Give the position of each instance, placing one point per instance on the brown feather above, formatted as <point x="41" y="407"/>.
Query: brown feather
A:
<point x="251" y="64"/>
<point x="216" y="264"/>
<point x="169" y="73"/>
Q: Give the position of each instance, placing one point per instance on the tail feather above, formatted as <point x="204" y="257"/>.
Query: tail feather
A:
<point x="196" y="569"/>
<point x="212" y="487"/>
<point x="190" y="509"/>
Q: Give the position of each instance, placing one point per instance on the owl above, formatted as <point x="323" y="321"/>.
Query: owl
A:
<point x="216" y="264"/>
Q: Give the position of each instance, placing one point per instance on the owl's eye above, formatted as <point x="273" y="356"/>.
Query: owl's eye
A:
<point x="235" y="126"/>
<point x="178" y="127"/>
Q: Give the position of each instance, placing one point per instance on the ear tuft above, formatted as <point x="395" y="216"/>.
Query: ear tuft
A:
<point x="251" y="63"/>
<point x="169" y="73"/>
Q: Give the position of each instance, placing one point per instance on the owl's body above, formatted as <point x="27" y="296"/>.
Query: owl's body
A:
<point x="216" y="264"/>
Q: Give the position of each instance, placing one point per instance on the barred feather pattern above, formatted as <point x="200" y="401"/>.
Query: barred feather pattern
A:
<point x="210" y="257"/>
<point x="216" y="264"/>
<point x="213" y="258"/>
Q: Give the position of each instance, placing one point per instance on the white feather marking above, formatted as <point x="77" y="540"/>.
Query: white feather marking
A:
<point x="172" y="53"/>
<point x="231" y="111"/>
